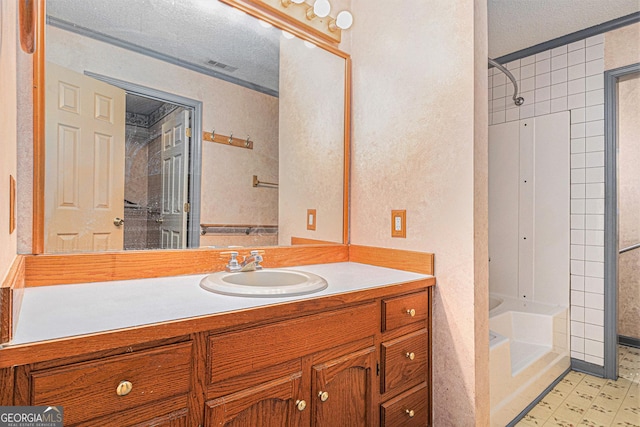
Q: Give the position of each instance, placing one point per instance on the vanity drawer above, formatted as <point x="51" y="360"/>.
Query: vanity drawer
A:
<point x="410" y="409"/>
<point x="90" y="389"/>
<point x="239" y="353"/>
<point x="404" y="310"/>
<point x="404" y="361"/>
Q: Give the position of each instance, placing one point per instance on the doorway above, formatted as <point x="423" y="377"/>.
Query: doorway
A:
<point x="622" y="212"/>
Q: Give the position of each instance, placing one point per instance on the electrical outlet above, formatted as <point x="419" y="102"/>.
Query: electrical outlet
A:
<point x="311" y="219"/>
<point x="399" y="223"/>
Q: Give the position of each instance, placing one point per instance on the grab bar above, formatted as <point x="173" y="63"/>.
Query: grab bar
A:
<point x="630" y="248"/>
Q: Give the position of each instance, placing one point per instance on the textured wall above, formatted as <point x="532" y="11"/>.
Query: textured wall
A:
<point x="629" y="205"/>
<point x="622" y="47"/>
<point x="311" y="80"/>
<point x="227" y="192"/>
<point x="9" y="47"/>
<point x="414" y="97"/>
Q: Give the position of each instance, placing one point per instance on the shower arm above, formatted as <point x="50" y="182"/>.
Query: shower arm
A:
<point x="518" y="100"/>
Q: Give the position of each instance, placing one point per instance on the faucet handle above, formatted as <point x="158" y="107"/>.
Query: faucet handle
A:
<point x="233" y="264"/>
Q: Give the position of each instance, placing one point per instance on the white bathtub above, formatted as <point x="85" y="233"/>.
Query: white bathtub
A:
<point x="528" y="350"/>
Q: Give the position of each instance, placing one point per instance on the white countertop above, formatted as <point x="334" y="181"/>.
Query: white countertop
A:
<point x="50" y="312"/>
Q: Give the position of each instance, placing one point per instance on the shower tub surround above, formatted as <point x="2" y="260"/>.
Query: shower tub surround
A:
<point x="570" y="78"/>
<point x="529" y="349"/>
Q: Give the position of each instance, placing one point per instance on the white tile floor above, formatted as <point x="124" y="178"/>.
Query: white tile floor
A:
<point x="584" y="400"/>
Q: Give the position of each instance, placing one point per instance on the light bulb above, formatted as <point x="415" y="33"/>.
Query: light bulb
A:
<point x="297" y="1"/>
<point x="287" y="35"/>
<point x="264" y="24"/>
<point x="322" y="8"/>
<point x="309" y="45"/>
<point x="344" y="20"/>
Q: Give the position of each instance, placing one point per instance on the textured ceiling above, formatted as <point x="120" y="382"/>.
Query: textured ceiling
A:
<point x="518" y="24"/>
<point x="192" y="31"/>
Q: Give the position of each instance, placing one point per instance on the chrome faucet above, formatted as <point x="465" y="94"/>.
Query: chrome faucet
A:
<point x="252" y="262"/>
<point x="233" y="265"/>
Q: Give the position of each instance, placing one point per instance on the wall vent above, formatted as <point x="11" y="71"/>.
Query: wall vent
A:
<point x="221" y="65"/>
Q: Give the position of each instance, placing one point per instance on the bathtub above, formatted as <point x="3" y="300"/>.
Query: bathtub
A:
<point x="528" y="350"/>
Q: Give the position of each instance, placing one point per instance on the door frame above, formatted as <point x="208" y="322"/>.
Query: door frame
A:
<point x="611" y="78"/>
<point x="195" y="147"/>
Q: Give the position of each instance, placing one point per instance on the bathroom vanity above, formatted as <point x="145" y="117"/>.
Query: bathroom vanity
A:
<point x="357" y="353"/>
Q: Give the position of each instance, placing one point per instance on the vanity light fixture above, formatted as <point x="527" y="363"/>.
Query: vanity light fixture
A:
<point x="321" y="9"/>
<point x="286" y="3"/>
<point x="344" y="21"/>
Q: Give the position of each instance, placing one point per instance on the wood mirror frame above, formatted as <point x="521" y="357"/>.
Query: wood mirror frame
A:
<point x="256" y="8"/>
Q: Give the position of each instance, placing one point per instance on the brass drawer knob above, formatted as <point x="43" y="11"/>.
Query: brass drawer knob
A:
<point x="412" y="312"/>
<point x="301" y="404"/>
<point x="410" y="412"/>
<point x="323" y="395"/>
<point x="411" y="355"/>
<point x="124" y="388"/>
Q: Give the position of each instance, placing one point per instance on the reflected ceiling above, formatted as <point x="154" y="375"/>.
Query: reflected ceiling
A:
<point x="206" y="35"/>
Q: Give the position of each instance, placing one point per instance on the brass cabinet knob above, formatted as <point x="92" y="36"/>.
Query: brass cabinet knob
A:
<point x="323" y="395"/>
<point x="301" y="404"/>
<point x="410" y="412"/>
<point x="124" y="388"/>
<point x="411" y="355"/>
<point x="412" y="312"/>
<point x="118" y="222"/>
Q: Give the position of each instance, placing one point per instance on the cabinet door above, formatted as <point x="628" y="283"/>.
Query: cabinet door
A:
<point x="342" y="391"/>
<point x="273" y="404"/>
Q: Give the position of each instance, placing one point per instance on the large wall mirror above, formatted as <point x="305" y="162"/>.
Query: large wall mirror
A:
<point x="182" y="124"/>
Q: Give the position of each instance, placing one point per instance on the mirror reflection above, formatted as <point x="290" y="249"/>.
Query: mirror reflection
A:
<point x="187" y="124"/>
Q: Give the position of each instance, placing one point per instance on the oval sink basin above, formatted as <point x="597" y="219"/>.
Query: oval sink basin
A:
<point x="264" y="283"/>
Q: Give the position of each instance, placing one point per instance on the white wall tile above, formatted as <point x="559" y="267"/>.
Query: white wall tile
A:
<point x="499" y="117"/>
<point x="577" y="298"/>
<point x="499" y="91"/>
<point x="578" y="206"/>
<point x="576" y="86"/>
<point x="580" y="44"/>
<point x="578" y="190"/>
<point x="543" y="94"/>
<point x="542" y="108"/>
<point x="577" y="267"/>
<point x="577" y="313"/>
<point x="527" y="85"/>
<point x="527" y="110"/>
<point x="528" y="60"/>
<point x="594" y="52"/>
<point x="594" y="159"/>
<point x="499" y="104"/>
<point x="543" y="80"/>
<point x="594" y="301"/>
<point x="559" y="104"/>
<point x="559" y="51"/>
<point x="578" y="115"/>
<point x="595" y="82"/>
<point x="593" y="284"/>
<point x="577" y="222"/>
<point x="576" y="101"/>
<point x="595" y="97"/>
<point x="594" y="112"/>
<point x="559" y="90"/>
<point x="593" y="348"/>
<point x="499" y="79"/>
<point x="594" y="222"/>
<point x="593" y="332"/>
<point x="594" y="190"/>
<point x="594" y="143"/>
<point x="594" y="174"/>
<point x="513" y="65"/>
<point x="559" y="61"/>
<point x="578" y="283"/>
<point x="577" y="329"/>
<point x="577" y="344"/>
<point x="594" y="253"/>
<point x="543" y="66"/>
<point x="594" y="238"/>
<point x="594" y="67"/>
<point x="576" y="71"/>
<point x="578" y="176"/>
<point x="592" y="359"/>
<point x="528" y="71"/>
<point x="543" y="55"/>
<point x="593" y="316"/>
<point x="577" y="252"/>
<point x="559" y="76"/>
<point x="593" y="206"/>
<point x="578" y="130"/>
<point x="576" y="57"/>
<point x="590" y="41"/>
<point x="577" y="145"/>
<point x="577" y="237"/>
<point x="512" y="114"/>
<point x="594" y="269"/>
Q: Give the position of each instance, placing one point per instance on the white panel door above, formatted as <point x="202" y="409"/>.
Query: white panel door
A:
<point x="175" y="154"/>
<point x="84" y="166"/>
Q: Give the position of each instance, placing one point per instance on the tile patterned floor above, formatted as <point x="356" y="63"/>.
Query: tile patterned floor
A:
<point x="583" y="400"/>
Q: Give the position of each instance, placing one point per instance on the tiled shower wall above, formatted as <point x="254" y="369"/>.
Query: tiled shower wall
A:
<point x="570" y="78"/>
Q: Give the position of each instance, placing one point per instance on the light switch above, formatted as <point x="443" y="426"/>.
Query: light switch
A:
<point x="399" y="223"/>
<point x="311" y="219"/>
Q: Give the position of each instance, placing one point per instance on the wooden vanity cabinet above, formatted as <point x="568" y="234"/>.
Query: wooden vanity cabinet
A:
<point x="359" y="363"/>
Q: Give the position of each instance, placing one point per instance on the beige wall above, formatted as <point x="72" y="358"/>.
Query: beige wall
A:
<point x="311" y="145"/>
<point x="622" y="47"/>
<point x="417" y="145"/>
<point x="629" y="205"/>
<point x="8" y="127"/>
<point x="228" y="195"/>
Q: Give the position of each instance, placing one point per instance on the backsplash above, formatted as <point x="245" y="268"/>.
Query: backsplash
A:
<point x="570" y="78"/>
